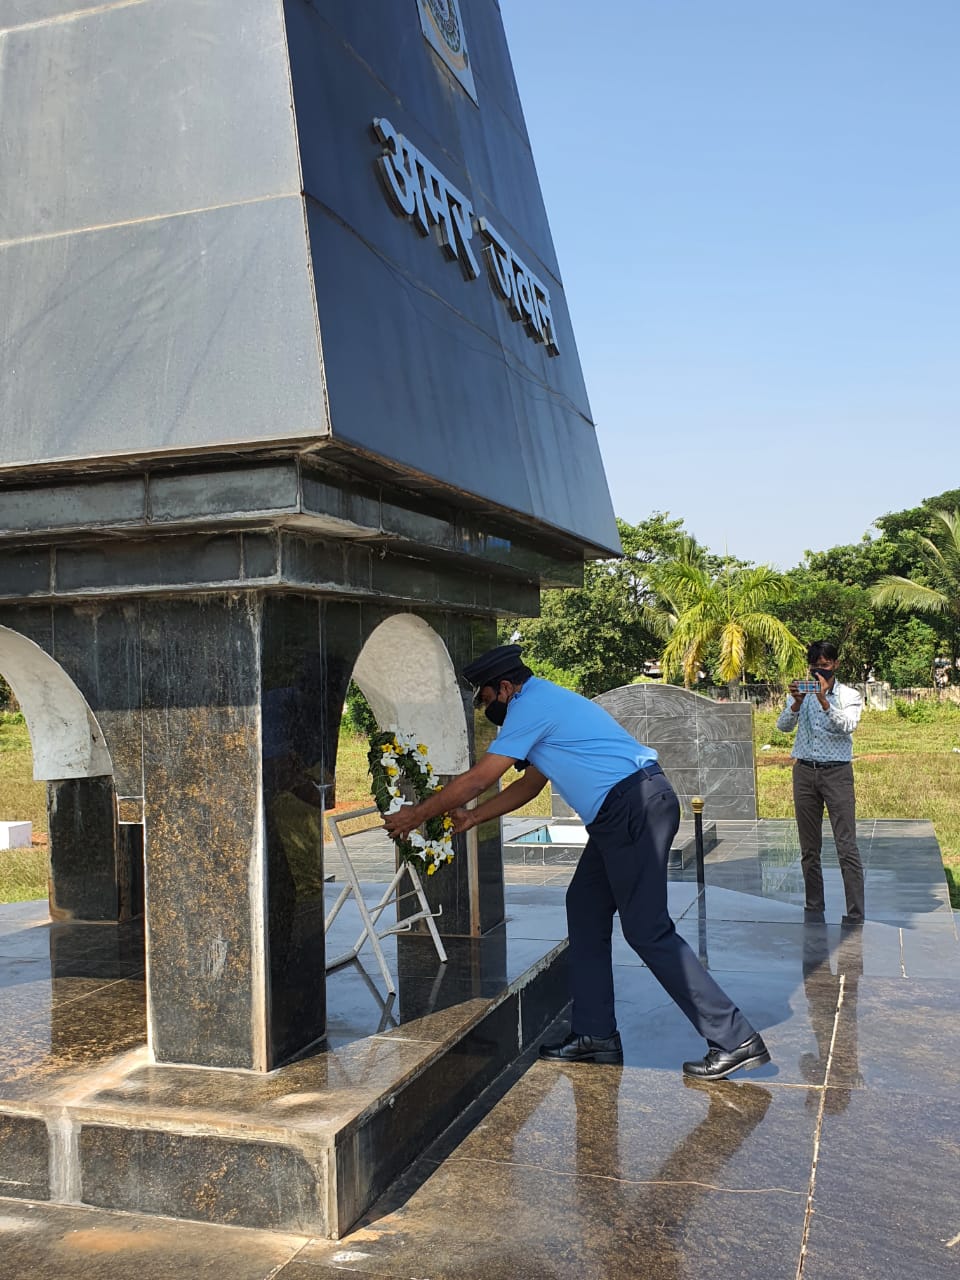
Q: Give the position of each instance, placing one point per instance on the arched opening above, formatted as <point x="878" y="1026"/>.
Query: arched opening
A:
<point x="72" y="757"/>
<point x="408" y="680"/>
<point x="67" y="741"/>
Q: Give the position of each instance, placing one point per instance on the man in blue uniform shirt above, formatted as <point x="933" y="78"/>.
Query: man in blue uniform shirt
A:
<point x="631" y="814"/>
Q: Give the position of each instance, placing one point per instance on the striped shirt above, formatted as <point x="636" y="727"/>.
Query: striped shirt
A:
<point x="824" y="735"/>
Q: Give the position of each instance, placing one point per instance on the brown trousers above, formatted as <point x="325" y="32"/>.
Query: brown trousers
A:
<point x="812" y="790"/>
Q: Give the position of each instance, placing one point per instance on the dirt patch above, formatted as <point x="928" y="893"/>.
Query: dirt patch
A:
<point x="767" y="758"/>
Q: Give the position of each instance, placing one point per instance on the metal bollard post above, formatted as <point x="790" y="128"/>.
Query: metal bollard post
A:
<point x="696" y="804"/>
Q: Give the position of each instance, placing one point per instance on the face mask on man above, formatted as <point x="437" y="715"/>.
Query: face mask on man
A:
<point x="496" y="712"/>
<point x="822" y="671"/>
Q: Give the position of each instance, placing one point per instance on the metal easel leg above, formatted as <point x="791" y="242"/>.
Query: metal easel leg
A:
<point x="369" y="929"/>
<point x="427" y="914"/>
<point x="371" y="915"/>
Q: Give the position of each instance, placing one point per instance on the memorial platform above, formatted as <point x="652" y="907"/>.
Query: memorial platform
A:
<point x="835" y="1162"/>
<point x="85" y="1117"/>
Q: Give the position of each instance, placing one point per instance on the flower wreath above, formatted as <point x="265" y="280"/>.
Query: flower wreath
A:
<point x="395" y="757"/>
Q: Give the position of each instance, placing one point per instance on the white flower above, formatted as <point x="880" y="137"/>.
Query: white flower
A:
<point x="395" y="805"/>
<point x="417" y="840"/>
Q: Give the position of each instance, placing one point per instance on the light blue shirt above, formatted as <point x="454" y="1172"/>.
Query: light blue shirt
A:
<point x="824" y="735"/>
<point x="572" y="741"/>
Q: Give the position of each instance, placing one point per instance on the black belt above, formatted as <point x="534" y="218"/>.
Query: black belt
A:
<point x="823" y="764"/>
<point x="630" y="781"/>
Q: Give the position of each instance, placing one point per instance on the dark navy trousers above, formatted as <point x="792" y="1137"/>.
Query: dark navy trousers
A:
<point x="623" y="868"/>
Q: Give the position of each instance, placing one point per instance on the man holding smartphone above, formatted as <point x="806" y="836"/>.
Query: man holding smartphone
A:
<point x="825" y="714"/>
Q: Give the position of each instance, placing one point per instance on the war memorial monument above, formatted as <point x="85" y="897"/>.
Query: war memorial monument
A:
<point x="289" y="396"/>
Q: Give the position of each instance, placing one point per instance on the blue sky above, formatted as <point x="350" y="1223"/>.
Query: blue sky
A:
<point x="756" y="208"/>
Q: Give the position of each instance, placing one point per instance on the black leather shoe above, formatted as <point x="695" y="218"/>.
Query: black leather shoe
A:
<point x="586" y="1049"/>
<point x="720" y="1062"/>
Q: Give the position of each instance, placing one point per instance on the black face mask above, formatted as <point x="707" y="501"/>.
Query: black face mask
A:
<point x="827" y="675"/>
<point x="496" y="712"/>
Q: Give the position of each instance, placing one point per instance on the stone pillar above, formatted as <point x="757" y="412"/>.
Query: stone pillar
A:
<point x="298" y="703"/>
<point x="234" y="867"/>
<point x="82" y="824"/>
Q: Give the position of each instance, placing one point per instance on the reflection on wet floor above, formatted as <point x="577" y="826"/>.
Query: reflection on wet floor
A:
<point x="841" y="1152"/>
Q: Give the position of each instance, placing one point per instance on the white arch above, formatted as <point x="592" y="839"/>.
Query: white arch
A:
<point x="67" y="741"/>
<point x="407" y="677"/>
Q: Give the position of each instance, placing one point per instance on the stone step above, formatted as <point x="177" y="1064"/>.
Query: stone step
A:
<point x="307" y="1147"/>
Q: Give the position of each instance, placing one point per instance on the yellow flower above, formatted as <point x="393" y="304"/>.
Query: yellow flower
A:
<point x="422" y="749"/>
<point x="438" y="787"/>
<point x="392" y="770"/>
<point x="431" y="869"/>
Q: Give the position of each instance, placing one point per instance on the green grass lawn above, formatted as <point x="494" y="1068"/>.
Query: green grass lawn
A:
<point x="905" y="768"/>
<point x="23" y="872"/>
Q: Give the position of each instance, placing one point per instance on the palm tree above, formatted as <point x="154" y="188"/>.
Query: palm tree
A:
<point x="940" y="558"/>
<point x="728" y="609"/>
<point x="660" y="617"/>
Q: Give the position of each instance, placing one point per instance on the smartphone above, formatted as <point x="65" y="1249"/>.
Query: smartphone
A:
<point x="808" y="686"/>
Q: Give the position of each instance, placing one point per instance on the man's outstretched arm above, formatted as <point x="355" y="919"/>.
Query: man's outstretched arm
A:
<point x="517" y="794"/>
<point x="458" y="791"/>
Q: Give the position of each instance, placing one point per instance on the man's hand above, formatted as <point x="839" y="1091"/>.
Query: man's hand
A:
<point x="400" y="824"/>
<point x="798" y="697"/>
<point x="822" y="691"/>
<point x="458" y="791"/>
<point x="463" y="820"/>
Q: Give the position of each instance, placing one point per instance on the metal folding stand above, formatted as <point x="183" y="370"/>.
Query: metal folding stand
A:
<point x="370" y="916"/>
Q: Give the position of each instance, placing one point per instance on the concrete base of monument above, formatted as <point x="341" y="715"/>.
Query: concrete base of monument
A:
<point x="539" y="843"/>
<point x="86" y="1118"/>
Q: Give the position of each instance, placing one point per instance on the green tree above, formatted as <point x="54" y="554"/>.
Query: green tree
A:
<point x="731" y="610"/>
<point x="934" y="589"/>
<point x="907" y="660"/>
<point x="859" y="564"/>
<point x="819" y="608"/>
<point x="600" y="635"/>
<point x="895" y="524"/>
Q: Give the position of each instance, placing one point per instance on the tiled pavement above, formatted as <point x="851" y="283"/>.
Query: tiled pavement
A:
<point x="838" y="1161"/>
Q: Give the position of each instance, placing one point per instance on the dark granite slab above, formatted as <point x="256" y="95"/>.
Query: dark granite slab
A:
<point x="885" y="1202"/>
<point x="907" y="1035"/>
<point x="601" y="1173"/>
<point x="576" y="1170"/>
<point x="84" y="854"/>
<point x="203" y="1177"/>
<point x="761" y="946"/>
<point x="305" y="1147"/>
<point x="60" y="1242"/>
<point x="24" y="1157"/>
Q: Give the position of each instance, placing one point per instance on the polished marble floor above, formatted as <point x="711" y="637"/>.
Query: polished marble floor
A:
<point x="838" y="1161"/>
